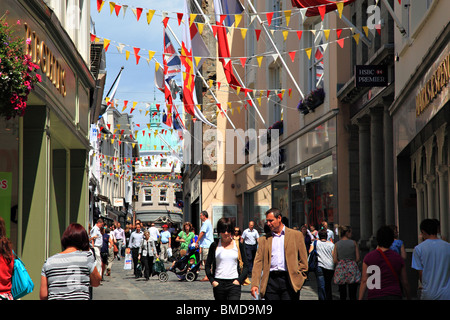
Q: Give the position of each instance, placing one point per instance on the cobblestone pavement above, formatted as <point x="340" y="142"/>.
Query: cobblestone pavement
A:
<point x="122" y="285"/>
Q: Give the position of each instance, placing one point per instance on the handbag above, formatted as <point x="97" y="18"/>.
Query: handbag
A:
<point x="21" y="280"/>
<point x="241" y="264"/>
<point x="313" y="258"/>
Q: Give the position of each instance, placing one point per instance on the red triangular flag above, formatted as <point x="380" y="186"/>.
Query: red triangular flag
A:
<point x="180" y="17"/>
<point x="222" y="17"/>
<point x="322" y="11"/>
<point x="93" y="36"/>
<point x="136" y="52"/>
<point x="269" y="16"/>
<point x="258" y="33"/>
<point x="292" y="55"/>
<point x="214" y="27"/>
<point x="117" y="9"/>
<point x="338" y="33"/>
<point x="166" y="19"/>
<point x="243" y="61"/>
<point x="268" y="93"/>
<point x="341" y="42"/>
<point x="299" y="34"/>
<point x="138" y="13"/>
<point x="99" y="5"/>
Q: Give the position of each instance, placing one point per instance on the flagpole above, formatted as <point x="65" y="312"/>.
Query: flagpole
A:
<point x="115" y="80"/>
<point x="276" y="49"/>
<point x="235" y="72"/>
<point x="210" y="90"/>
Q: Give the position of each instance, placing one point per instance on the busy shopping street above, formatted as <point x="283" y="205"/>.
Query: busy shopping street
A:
<point x="190" y="152"/>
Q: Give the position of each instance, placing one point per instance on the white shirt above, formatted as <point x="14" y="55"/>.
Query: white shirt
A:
<point x="226" y="262"/>
<point x="250" y="236"/>
<point x="154" y="233"/>
<point x="95" y="231"/>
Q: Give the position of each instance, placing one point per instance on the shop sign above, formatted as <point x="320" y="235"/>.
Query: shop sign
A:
<point x="371" y="76"/>
<point x="45" y="59"/>
<point x="433" y="87"/>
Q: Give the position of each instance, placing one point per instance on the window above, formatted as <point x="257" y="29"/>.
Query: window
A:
<point x="274" y="102"/>
<point x="163" y="163"/>
<point x="162" y="195"/>
<point x="147" y="195"/>
<point x="315" y="72"/>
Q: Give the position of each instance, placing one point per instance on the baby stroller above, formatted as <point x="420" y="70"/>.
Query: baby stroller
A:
<point x="186" y="268"/>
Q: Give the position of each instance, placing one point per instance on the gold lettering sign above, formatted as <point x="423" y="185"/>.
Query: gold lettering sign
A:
<point x="433" y="86"/>
<point x="44" y="58"/>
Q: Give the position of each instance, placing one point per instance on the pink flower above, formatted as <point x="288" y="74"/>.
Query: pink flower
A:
<point x="28" y="40"/>
<point x="18" y="22"/>
<point x="38" y="76"/>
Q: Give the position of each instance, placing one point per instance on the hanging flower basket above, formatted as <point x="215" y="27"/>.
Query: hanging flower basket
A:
<point x="311" y="101"/>
<point x="17" y="72"/>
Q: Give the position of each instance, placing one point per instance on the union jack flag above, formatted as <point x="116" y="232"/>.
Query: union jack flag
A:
<point x="172" y="62"/>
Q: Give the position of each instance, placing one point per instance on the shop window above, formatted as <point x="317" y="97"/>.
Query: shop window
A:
<point x="312" y="194"/>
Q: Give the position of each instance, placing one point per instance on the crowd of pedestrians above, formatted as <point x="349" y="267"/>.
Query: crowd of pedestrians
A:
<point x="234" y="257"/>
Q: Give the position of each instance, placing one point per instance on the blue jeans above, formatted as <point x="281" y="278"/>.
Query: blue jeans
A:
<point x="324" y="278"/>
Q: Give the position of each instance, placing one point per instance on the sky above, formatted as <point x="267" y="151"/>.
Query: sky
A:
<point x="137" y="80"/>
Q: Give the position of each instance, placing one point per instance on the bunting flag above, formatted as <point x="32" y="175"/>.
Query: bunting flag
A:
<point x="320" y="7"/>
<point x="222" y="39"/>
<point x="189" y="92"/>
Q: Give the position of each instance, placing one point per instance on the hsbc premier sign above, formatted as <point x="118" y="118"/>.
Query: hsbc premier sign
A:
<point x="371" y="76"/>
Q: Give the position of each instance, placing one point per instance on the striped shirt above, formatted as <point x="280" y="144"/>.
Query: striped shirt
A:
<point x="68" y="275"/>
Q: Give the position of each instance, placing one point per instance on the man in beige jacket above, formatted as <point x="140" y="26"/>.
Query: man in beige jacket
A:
<point x="281" y="261"/>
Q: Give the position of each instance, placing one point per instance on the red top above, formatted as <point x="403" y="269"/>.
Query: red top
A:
<point x="6" y="271"/>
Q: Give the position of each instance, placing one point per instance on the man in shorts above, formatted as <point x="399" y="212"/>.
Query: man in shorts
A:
<point x="205" y="238"/>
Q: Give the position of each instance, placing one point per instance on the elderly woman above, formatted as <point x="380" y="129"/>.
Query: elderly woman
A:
<point x="147" y="252"/>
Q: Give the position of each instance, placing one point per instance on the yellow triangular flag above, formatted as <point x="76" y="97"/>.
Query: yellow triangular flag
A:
<point x="106" y="43"/>
<point x="285" y="34"/>
<point x="287" y="15"/>
<point x="150" y="14"/>
<point x="340" y="7"/>
<point x="259" y="58"/>
<point x="356" y="37"/>
<point x="308" y="52"/>
<point x="192" y="18"/>
<point x="197" y="60"/>
<point x="156" y="66"/>
<point x="259" y="101"/>
<point x="238" y="89"/>
<point x="200" y="27"/>
<point x="112" y="5"/>
<point x="127" y="54"/>
<point x="326" y="33"/>
<point x="366" y="31"/>
<point x="151" y="54"/>
<point x="243" y="33"/>
<point x="237" y="20"/>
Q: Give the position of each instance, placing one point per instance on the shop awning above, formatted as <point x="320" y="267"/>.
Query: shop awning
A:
<point x="315" y="6"/>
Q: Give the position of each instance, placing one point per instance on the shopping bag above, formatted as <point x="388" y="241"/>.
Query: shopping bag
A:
<point x="21" y="280"/>
<point x="128" y="262"/>
<point x="139" y="269"/>
<point x="158" y="267"/>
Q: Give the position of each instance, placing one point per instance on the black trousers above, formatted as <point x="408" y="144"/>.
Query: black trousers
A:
<point x="147" y="263"/>
<point x="250" y="251"/>
<point x="134" y="256"/>
<point x="279" y="287"/>
<point x="227" y="290"/>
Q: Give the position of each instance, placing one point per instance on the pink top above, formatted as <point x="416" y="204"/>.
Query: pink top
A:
<point x="389" y="283"/>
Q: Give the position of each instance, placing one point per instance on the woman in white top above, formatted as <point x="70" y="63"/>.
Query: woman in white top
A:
<point x="222" y="266"/>
<point x="325" y="270"/>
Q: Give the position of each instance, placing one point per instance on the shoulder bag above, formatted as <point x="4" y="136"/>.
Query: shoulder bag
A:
<point x="21" y="280"/>
<point x="313" y="258"/>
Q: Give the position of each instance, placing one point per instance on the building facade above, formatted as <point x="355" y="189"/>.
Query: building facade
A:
<point x="157" y="179"/>
<point x="45" y="152"/>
